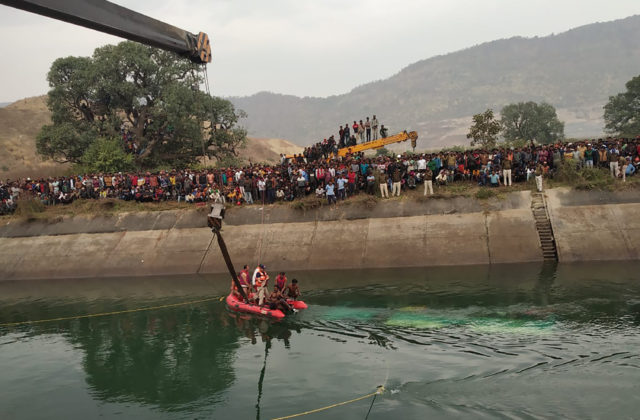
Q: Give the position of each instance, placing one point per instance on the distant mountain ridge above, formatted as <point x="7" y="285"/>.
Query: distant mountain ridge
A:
<point x="576" y="71"/>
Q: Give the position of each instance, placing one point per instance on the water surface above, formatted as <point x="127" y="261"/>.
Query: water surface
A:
<point x="512" y="341"/>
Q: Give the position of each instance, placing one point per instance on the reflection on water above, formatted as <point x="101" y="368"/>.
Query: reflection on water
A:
<point x="500" y="341"/>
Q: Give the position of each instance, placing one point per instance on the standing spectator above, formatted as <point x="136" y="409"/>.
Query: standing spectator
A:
<point x="428" y="181"/>
<point x="262" y="187"/>
<point x="622" y="168"/>
<point x="351" y="182"/>
<point x="371" y="183"/>
<point x="588" y="157"/>
<point x="374" y="126"/>
<point x="397" y="182"/>
<point x="613" y="161"/>
<point x="538" y="173"/>
<point x="331" y="192"/>
<point x="361" y="131"/>
<point x="506" y="172"/>
<point x="384" y="191"/>
<point x="341" y="191"/>
<point x="367" y="127"/>
<point x="602" y="157"/>
<point x="301" y="184"/>
<point x="347" y="134"/>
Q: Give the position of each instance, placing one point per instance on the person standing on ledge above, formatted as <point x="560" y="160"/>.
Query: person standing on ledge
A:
<point x="374" y="126"/>
<point x="539" y="177"/>
<point x="384" y="189"/>
<point x="428" y="181"/>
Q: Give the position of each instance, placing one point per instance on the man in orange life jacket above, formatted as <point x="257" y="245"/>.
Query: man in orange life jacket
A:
<point x="259" y="281"/>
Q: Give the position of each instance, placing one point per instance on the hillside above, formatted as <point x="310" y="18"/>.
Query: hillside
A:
<point x="576" y="71"/>
<point x="19" y="125"/>
<point x="21" y="121"/>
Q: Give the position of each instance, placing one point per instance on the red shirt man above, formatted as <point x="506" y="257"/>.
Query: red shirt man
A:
<point x="281" y="281"/>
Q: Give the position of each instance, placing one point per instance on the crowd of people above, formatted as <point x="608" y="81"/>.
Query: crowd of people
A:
<point x="331" y="178"/>
<point x="360" y="132"/>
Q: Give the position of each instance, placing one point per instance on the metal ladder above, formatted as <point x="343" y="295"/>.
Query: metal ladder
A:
<point x="543" y="226"/>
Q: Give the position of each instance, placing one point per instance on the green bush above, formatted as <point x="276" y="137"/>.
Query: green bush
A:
<point x="106" y="155"/>
<point x="485" y="193"/>
<point x="383" y="151"/>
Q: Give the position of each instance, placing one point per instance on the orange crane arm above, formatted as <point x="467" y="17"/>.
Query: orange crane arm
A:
<point x="377" y="144"/>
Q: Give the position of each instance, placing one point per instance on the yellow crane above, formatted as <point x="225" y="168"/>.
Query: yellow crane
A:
<point x="376" y="144"/>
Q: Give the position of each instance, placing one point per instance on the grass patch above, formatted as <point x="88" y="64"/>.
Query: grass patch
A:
<point x="307" y="203"/>
<point x="585" y="178"/>
<point x="33" y="209"/>
<point x="29" y="208"/>
<point x="485" y="193"/>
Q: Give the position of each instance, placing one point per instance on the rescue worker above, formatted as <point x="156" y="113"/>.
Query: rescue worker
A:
<point x="281" y="282"/>
<point x="275" y="300"/>
<point x="259" y="282"/>
<point x="243" y="278"/>
<point x="293" y="291"/>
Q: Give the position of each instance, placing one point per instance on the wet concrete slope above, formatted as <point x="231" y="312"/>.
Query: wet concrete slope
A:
<point x="435" y="232"/>
<point x="595" y="225"/>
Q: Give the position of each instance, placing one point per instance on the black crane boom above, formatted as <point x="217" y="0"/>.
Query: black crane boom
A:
<point x="113" y="19"/>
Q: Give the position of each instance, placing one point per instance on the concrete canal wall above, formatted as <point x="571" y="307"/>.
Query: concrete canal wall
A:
<point x="594" y="225"/>
<point x="458" y="231"/>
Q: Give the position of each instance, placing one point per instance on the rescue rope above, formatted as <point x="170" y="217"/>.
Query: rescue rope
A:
<point x="126" y="311"/>
<point x="263" y="229"/>
<point x="370" y="407"/>
<point x="378" y="391"/>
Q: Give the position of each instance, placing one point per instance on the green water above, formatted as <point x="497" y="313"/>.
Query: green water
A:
<point x="514" y="341"/>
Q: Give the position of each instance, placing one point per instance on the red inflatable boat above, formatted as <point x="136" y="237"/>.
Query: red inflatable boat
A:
<point x="236" y="305"/>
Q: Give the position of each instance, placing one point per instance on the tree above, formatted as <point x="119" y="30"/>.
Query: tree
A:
<point x="622" y="112"/>
<point x="484" y="130"/>
<point x="531" y="122"/>
<point x="106" y="155"/>
<point x="383" y="151"/>
<point x="151" y="94"/>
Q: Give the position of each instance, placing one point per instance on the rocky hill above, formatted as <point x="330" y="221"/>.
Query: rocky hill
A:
<point x="576" y="71"/>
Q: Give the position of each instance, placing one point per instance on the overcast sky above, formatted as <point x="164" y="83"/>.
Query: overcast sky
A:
<point x="301" y="47"/>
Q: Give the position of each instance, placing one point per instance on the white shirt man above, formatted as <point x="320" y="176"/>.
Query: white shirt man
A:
<point x="422" y="164"/>
<point x="374" y="126"/>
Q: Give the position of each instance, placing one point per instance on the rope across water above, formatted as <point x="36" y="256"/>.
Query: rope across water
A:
<point x="378" y="391"/>
<point x="126" y="311"/>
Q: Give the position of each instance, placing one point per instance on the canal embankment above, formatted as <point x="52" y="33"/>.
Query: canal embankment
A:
<point x="587" y="226"/>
